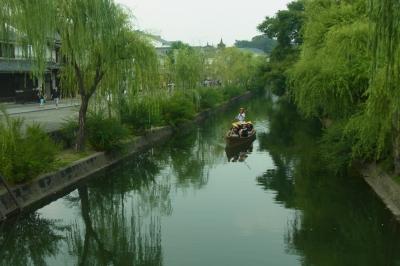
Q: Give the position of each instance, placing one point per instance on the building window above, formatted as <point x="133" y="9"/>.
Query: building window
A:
<point x="7" y="50"/>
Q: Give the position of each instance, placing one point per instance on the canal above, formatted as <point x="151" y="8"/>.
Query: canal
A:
<point x="191" y="201"/>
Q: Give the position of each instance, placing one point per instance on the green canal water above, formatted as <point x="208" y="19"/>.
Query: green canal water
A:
<point x="191" y="201"/>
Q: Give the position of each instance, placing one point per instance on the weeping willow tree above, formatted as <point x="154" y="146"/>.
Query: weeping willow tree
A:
<point x="100" y="49"/>
<point x="349" y="70"/>
<point x="137" y="82"/>
<point x="377" y="127"/>
<point x="331" y="76"/>
<point x="184" y="66"/>
<point x="31" y="25"/>
<point x="234" y="67"/>
<point x="383" y="104"/>
<point x="189" y="68"/>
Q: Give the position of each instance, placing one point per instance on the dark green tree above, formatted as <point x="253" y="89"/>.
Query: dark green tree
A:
<point x="286" y="28"/>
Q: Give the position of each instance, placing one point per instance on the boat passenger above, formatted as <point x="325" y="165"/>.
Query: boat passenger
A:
<point x="249" y="126"/>
<point x="243" y="132"/>
<point x="235" y="130"/>
<point x="241" y="117"/>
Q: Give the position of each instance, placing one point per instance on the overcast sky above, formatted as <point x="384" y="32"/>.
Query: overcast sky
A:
<point x="200" y="21"/>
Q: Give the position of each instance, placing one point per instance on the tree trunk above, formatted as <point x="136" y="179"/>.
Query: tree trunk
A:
<point x="396" y="143"/>
<point x="109" y="107"/>
<point x="396" y="153"/>
<point x="81" y="136"/>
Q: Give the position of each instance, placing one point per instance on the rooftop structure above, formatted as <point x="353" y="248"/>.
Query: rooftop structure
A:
<point x="221" y="44"/>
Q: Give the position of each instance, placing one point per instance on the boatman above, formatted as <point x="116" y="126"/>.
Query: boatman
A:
<point x="241" y="117"/>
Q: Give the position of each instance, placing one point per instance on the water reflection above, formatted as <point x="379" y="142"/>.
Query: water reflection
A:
<point x="122" y="209"/>
<point x="187" y="160"/>
<point x="288" y="136"/>
<point x="238" y="153"/>
<point x="336" y="226"/>
<point x="112" y="235"/>
<point x="135" y="179"/>
<point x="30" y="240"/>
<point x="121" y="212"/>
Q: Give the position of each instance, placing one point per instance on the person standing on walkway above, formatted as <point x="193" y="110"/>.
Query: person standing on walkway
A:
<point x="56" y="97"/>
<point x="41" y="98"/>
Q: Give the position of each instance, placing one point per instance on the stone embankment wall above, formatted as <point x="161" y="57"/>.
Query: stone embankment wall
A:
<point x="52" y="186"/>
<point x="386" y="188"/>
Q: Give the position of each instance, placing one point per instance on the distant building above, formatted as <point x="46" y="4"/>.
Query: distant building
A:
<point x="16" y="78"/>
<point x="162" y="46"/>
<point x="221" y="45"/>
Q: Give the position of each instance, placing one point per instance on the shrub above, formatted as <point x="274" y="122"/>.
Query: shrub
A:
<point x="178" y="108"/>
<point x="38" y="152"/>
<point x="24" y="156"/>
<point x="105" y="134"/>
<point x="68" y="132"/>
<point x="210" y="97"/>
<point x="144" y="114"/>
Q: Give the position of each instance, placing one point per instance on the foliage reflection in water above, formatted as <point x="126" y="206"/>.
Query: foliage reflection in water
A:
<point x="187" y="203"/>
<point x="340" y="221"/>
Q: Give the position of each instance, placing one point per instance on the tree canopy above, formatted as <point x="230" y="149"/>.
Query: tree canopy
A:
<point x="285" y="26"/>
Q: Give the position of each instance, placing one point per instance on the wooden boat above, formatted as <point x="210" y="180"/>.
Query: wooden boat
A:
<point x="233" y="140"/>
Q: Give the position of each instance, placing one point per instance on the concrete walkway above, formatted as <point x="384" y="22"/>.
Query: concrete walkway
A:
<point x="13" y="108"/>
<point x="48" y="116"/>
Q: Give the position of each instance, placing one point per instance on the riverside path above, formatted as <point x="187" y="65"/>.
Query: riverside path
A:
<point x="49" y="116"/>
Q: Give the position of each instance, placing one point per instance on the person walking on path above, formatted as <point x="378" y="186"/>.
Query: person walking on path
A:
<point x="41" y="98"/>
<point x="56" y="97"/>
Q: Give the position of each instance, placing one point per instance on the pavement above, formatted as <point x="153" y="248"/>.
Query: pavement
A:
<point x="13" y="108"/>
<point x="49" y="116"/>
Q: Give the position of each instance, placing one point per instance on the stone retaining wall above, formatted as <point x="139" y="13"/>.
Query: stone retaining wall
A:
<point x="386" y="188"/>
<point x="51" y="186"/>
